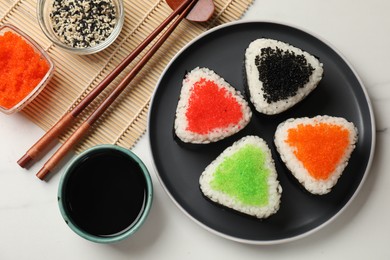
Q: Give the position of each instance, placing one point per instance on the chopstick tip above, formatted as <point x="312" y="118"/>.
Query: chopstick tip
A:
<point x="42" y="173"/>
<point x="24" y="160"/>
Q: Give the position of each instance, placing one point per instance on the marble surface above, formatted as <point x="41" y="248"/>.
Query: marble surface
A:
<point x="31" y="226"/>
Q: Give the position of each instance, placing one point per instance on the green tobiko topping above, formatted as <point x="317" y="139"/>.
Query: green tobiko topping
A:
<point x="244" y="176"/>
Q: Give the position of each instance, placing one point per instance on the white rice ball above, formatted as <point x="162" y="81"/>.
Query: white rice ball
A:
<point x="181" y="121"/>
<point x="274" y="188"/>
<point x="283" y="76"/>
<point x="314" y="186"/>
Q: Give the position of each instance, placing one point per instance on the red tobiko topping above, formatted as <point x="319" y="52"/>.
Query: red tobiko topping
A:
<point x="211" y="107"/>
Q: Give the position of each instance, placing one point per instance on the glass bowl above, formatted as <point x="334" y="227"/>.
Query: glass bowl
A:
<point x="45" y="19"/>
<point x="45" y="79"/>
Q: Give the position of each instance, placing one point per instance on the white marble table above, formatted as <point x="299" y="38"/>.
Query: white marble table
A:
<point x="31" y="226"/>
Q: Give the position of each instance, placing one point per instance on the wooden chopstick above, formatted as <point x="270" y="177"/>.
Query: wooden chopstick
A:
<point x="80" y="132"/>
<point x="70" y="116"/>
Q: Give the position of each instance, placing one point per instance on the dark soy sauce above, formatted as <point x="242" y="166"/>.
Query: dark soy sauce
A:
<point x="106" y="193"/>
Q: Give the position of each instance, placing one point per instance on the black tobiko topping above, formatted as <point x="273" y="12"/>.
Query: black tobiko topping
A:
<point x="282" y="73"/>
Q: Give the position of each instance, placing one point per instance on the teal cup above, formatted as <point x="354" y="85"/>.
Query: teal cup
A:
<point x="105" y="194"/>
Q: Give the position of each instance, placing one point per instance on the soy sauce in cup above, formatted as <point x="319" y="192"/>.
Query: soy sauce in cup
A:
<point x="105" y="194"/>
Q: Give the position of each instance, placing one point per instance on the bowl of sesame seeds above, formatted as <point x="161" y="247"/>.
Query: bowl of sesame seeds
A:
<point x="81" y="26"/>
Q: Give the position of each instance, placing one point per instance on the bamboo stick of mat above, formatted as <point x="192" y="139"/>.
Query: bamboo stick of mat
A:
<point x="82" y="130"/>
<point x="69" y="117"/>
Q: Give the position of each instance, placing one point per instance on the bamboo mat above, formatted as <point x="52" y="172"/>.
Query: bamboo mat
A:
<point x="126" y="120"/>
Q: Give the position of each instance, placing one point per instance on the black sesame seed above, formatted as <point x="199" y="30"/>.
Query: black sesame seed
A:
<point x="83" y="23"/>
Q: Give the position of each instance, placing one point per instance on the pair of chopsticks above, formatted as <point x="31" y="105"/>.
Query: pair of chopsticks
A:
<point x="69" y="117"/>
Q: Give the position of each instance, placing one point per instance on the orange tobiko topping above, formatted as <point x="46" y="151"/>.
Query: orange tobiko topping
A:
<point x="211" y="107"/>
<point x="319" y="147"/>
<point x="21" y="69"/>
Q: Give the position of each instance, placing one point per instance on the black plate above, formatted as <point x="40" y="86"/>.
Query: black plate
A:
<point x="340" y="93"/>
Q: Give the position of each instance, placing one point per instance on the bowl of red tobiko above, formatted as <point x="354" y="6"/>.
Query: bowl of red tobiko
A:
<point x="25" y="69"/>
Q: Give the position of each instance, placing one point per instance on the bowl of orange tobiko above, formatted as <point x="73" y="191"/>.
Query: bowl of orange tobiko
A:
<point x="25" y="69"/>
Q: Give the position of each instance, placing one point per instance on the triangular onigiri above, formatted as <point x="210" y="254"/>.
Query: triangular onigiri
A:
<point x="316" y="150"/>
<point x="209" y="109"/>
<point x="243" y="177"/>
<point x="279" y="75"/>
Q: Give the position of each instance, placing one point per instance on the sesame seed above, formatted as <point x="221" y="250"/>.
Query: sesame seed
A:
<point x="83" y="23"/>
